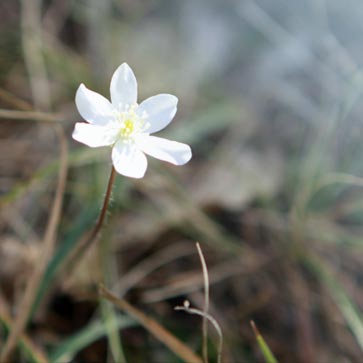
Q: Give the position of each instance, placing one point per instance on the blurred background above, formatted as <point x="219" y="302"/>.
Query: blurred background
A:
<point x="270" y="100"/>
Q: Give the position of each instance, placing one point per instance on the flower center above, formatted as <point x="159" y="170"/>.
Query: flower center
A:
<point x="129" y="123"/>
<point x="127" y="128"/>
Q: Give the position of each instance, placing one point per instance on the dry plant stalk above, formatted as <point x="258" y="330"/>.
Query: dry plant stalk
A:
<point x="206" y="303"/>
<point x="158" y="331"/>
<point x="186" y="307"/>
<point x="204" y="314"/>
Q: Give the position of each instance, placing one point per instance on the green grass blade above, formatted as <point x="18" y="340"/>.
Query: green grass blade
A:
<point x="108" y="316"/>
<point x="345" y="304"/>
<point x="89" y="334"/>
<point x="265" y="349"/>
<point x="80" y="225"/>
<point x="30" y="351"/>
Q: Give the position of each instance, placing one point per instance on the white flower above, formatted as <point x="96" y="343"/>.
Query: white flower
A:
<point x="126" y="125"/>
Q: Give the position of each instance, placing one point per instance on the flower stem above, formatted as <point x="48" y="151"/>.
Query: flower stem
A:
<point x="90" y="238"/>
<point x="106" y="201"/>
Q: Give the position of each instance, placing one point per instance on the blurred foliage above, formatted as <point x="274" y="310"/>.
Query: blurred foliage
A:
<point x="269" y="99"/>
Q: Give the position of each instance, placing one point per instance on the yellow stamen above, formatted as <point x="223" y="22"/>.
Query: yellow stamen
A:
<point x="127" y="128"/>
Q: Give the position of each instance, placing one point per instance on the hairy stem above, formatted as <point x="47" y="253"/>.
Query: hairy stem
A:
<point x="90" y="238"/>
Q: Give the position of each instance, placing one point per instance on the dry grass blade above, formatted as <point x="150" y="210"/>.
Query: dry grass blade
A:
<point x="210" y="318"/>
<point x="30" y="115"/>
<point x="6" y="319"/>
<point x="144" y="268"/>
<point x="49" y="241"/>
<point x="191" y="283"/>
<point x="12" y="100"/>
<point x="158" y="331"/>
<point x="32" y="47"/>
<point x="206" y="303"/>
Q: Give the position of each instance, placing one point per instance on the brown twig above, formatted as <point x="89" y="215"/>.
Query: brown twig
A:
<point x="158" y="331"/>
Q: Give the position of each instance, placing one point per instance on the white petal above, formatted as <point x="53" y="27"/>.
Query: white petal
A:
<point x="128" y="160"/>
<point x="159" y="109"/>
<point x="123" y="87"/>
<point x="163" y="149"/>
<point x="93" y="107"/>
<point x="92" y="135"/>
